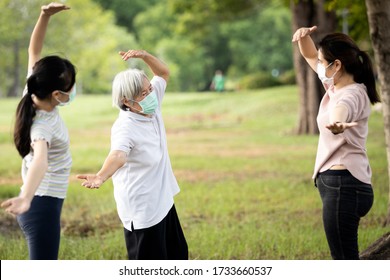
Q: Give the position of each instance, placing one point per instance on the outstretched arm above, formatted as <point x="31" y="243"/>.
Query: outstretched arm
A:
<point x="306" y="45"/>
<point x="158" y="67"/>
<point x="39" y="32"/>
<point x="114" y="161"/>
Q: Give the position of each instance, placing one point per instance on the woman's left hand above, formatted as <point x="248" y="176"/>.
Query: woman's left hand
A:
<point x="16" y="206"/>
<point x="132" y="54"/>
<point x="339" y="127"/>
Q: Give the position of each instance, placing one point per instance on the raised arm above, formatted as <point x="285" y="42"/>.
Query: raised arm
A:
<point x="306" y="45"/>
<point x="158" y="67"/>
<point x="39" y="32"/>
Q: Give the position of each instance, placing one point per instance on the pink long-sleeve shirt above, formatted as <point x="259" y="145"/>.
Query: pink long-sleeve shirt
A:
<point x="347" y="148"/>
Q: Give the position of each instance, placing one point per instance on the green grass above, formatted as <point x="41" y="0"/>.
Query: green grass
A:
<point x="245" y="178"/>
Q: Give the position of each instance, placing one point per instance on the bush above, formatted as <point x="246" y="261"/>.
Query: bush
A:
<point x="258" y="80"/>
<point x="288" y="78"/>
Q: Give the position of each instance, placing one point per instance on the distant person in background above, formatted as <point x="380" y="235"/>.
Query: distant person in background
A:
<point x="144" y="183"/>
<point x="342" y="171"/>
<point x="42" y="140"/>
<point x="218" y="82"/>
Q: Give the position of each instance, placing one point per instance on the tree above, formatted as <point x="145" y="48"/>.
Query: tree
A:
<point x="85" y="34"/>
<point x="239" y="37"/>
<point x="378" y="12"/>
<point x="14" y="23"/>
<point x="126" y="11"/>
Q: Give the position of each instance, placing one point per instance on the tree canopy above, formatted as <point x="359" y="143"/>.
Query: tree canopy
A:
<point x="250" y="40"/>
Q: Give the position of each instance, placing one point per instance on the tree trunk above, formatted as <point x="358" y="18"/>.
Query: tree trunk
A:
<point x="14" y="89"/>
<point x="379" y="250"/>
<point x="378" y="12"/>
<point x="306" y="14"/>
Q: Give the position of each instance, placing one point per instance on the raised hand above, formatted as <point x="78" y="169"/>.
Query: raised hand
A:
<point x="303" y="32"/>
<point x="132" y="54"/>
<point x="53" y="8"/>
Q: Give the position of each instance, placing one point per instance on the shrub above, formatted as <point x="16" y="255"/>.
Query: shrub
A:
<point x="288" y="78"/>
<point x="258" y="80"/>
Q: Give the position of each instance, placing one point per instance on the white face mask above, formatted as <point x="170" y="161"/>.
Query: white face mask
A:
<point x="321" y="72"/>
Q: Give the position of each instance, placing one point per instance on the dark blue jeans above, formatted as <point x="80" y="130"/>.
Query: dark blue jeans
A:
<point x="41" y="227"/>
<point x="345" y="200"/>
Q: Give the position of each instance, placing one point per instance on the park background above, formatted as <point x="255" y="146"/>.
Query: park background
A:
<point x="243" y="164"/>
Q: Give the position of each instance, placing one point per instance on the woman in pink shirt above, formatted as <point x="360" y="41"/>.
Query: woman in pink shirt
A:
<point x="342" y="171"/>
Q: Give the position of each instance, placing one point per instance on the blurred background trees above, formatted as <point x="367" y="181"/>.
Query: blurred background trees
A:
<point x="249" y="40"/>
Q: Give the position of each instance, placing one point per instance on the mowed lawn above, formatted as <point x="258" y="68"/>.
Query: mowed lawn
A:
<point x="245" y="178"/>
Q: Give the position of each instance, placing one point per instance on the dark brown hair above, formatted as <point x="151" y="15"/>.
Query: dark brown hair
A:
<point x="355" y="62"/>
<point x="49" y="74"/>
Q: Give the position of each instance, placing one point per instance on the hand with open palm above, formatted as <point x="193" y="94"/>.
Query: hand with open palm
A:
<point x="53" y="8"/>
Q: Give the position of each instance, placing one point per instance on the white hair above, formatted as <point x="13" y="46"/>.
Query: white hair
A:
<point x="127" y="84"/>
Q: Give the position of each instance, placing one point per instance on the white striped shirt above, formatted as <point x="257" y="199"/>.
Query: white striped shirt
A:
<point x="50" y="127"/>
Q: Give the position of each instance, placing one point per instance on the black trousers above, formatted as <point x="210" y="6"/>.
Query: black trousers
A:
<point x="345" y="200"/>
<point x="164" y="241"/>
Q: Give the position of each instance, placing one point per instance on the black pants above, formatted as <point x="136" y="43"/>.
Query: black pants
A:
<point x="41" y="227"/>
<point x="345" y="200"/>
<point x="164" y="241"/>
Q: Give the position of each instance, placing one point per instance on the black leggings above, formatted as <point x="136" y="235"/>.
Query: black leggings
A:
<point x="41" y="227"/>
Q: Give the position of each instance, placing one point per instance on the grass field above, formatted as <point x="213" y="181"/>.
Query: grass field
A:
<point x="245" y="178"/>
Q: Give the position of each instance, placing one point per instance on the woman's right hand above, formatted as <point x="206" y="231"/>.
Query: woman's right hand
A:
<point x="92" y="181"/>
<point x="53" y="8"/>
<point x="303" y="32"/>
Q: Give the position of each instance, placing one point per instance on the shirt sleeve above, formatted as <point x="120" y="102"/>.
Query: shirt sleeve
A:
<point x="355" y="102"/>
<point x="159" y="85"/>
<point x="121" y="139"/>
<point x="41" y="131"/>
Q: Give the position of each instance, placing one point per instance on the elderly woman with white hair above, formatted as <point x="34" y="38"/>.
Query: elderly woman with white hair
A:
<point x="144" y="183"/>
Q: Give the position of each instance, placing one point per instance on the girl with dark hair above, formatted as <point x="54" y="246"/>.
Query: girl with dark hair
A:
<point x="342" y="171"/>
<point x="42" y="140"/>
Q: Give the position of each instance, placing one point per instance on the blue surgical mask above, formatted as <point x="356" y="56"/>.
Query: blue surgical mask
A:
<point x="149" y="103"/>
<point x="71" y="95"/>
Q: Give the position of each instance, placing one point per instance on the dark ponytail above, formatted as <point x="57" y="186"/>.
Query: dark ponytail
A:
<point x="49" y="74"/>
<point x="355" y="62"/>
<point x="25" y="113"/>
<point x="367" y="77"/>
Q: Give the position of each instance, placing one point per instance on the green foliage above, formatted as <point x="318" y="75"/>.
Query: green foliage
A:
<point x="258" y="80"/>
<point x="262" y="42"/>
<point x="92" y="48"/>
<point x="288" y="77"/>
<point x="355" y="15"/>
<point x="245" y="179"/>
<point x="126" y="11"/>
<point x="84" y="34"/>
<point x="193" y="37"/>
